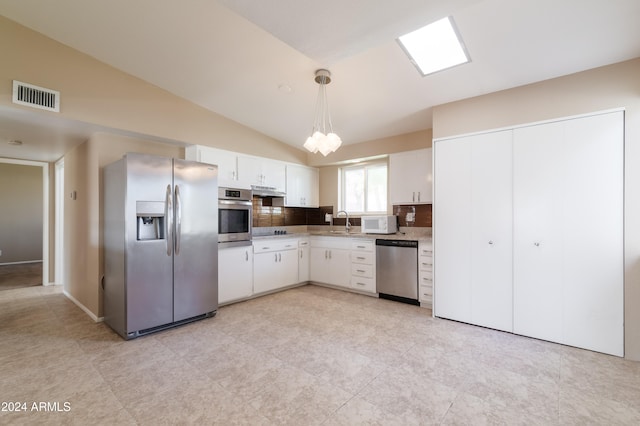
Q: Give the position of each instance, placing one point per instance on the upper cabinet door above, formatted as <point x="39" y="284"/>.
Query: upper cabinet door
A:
<point x="225" y="160"/>
<point x="261" y="172"/>
<point x="411" y="177"/>
<point x="302" y="186"/>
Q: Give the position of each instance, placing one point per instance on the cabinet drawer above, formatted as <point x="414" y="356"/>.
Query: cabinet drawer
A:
<point x="364" y="257"/>
<point x="274" y="245"/>
<point x="425" y="249"/>
<point x="426" y="279"/>
<point x="425" y="297"/>
<point x="362" y="245"/>
<point x="426" y="290"/>
<point x="330" y="242"/>
<point x="361" y="270"/>
<point x="363" y="284"/>
<point x="425" y="263"/>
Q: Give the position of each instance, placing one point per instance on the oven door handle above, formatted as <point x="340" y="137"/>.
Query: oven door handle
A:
<point x="233" y="203"/>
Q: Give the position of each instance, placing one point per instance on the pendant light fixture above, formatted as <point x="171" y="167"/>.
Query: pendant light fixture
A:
<point x="322" y="138"/>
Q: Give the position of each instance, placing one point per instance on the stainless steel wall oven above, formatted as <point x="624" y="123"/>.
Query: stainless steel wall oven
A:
<point x="234" y="215"/>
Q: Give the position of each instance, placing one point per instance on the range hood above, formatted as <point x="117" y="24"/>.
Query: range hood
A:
<point x="266" y="191"/>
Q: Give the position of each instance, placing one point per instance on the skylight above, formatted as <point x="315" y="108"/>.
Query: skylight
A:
<point x="435" y="47"/>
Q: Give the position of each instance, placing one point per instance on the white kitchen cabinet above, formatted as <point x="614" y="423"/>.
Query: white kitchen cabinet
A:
<point x="235" y="273"/>
<point x="225" y="160"/>
<point x="302" y="186"/>
<point x="474" y="237"/>
<point x="568" y="224"/>
<point x="303" y="260"/>
<point x="261" y="172"/>
<point x="528" y="224"/>
<point x="425" y="274"/>
<point x="275" y="264"/>
<point x="411" y="177"/>
<point x="330" y="261"/>
<point x="363" y="265"/>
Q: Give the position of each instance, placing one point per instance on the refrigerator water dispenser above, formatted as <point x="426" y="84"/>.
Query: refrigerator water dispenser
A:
<point x="150" y="220"/>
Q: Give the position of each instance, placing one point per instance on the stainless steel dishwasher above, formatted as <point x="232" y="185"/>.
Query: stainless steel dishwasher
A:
<point x="397" y="270"/>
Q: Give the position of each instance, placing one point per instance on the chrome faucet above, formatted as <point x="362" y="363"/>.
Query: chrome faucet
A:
<point x="347" y="225"/>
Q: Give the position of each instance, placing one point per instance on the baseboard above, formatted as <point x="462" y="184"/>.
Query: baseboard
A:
<point x="22" y="262"/>
<point x="84" y="308"/>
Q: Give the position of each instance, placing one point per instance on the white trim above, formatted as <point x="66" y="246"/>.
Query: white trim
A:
<point x="45" y="211"/>
<point x="21" y="262"/>
<point x="81" y="306"/>
<point x="59" y="222"/>
<point x="533" y="123"/>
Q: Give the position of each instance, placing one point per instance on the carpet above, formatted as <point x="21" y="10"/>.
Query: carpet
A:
<point x="20" y="275"/>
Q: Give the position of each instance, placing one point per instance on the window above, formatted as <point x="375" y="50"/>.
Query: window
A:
<point x="363" y="188"/>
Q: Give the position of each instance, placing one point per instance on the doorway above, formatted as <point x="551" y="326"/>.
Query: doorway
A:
<point x="13" y="241"/>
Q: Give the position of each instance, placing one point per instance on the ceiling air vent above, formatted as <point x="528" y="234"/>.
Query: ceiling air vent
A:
<point x="36" y="97"/>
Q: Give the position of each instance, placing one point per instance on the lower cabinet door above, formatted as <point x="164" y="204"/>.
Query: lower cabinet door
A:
<point x="274" y="270"/>
<point x="235" y="273"/>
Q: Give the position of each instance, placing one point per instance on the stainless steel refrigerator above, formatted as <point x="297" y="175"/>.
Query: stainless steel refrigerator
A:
<point x="160" y="243"/>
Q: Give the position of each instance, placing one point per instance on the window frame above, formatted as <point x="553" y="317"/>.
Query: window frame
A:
<point x="365" y="166"/>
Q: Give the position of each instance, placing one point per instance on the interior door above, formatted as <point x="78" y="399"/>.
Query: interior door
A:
<point x="593" y="233"/>
<point x="196" y="243"/>
<point x="539" y="169"/>
<point x="492" y="230"/>
<point x="452" y="229"/>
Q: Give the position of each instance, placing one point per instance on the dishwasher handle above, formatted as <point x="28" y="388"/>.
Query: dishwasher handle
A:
<point x="397" y="243"/>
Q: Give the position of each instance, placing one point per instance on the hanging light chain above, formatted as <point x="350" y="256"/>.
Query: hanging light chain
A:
<point x="322" y="139"/>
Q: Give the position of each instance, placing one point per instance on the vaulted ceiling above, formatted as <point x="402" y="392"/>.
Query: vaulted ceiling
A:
<point x="254" y="61"/>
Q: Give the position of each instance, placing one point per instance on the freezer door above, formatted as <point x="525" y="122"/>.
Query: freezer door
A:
<point x="149" y="281"/>
<point x="196" y="239"/>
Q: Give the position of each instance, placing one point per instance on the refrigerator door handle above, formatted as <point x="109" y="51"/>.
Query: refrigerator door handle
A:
<point x="178" y="219"/>
<point x="168" y="220"/>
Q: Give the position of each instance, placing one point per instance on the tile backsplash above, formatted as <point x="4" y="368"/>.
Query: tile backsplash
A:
<point x="422" y="214"/>
<point x="267" y="215"/>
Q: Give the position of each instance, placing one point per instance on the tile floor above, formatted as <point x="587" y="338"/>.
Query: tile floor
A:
<point x="307" y="356"/>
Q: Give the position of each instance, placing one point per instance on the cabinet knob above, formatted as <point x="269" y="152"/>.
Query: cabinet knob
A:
<point x="490" y="242"/>
<point x="537" y="244"/>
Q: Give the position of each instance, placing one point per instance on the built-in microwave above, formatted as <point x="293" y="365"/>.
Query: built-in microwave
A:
<point x="234" y="214"/>
<point x="379" y="224"/>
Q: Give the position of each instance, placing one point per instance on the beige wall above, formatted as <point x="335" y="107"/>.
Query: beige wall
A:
<point x="599" y="89"/>
<point x="372" y="148"/>
<point x="21" y="205"/>
<point x="94" y="92"/>
<point x="83" y="223"/>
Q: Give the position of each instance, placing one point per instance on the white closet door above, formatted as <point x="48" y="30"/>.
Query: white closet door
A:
<point x="593" y="233"/>
<point x="538" y="200"/>
<point x="491" y="230"/>
<point x="452" y="229"/>
<point x="568" y="232"/>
